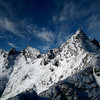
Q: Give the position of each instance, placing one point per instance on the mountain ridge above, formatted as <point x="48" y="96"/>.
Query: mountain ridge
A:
<point x="33" y="70"/>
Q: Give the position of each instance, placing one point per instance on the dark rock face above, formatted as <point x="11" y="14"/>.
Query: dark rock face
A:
<point x="51" y="54"/>
<point x="96" y="43"/>
<point x="28" y="95"/>
<point x="56" y="63"/>
<point x="12" y="51"/>
<point x="61" y="91"/>
<point x="97" y="70"/>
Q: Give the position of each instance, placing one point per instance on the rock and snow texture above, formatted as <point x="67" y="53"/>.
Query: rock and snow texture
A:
<point x="6" y="67"/>
<point x="32" y="70"/>
<point x="97" y="73"/>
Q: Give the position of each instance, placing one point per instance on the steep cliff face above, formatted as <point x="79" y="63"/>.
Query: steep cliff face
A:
<point x="63" y="73"/>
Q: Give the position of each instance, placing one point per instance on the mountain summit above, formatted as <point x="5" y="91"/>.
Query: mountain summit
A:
<point x="80" y="32"/>
<point x="70" y="72"/>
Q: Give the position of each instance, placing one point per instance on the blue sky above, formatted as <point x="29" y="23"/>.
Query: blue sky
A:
<point x="46" y="24"/>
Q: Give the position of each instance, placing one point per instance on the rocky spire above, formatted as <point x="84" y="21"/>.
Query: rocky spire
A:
<point x="80" y="34"/>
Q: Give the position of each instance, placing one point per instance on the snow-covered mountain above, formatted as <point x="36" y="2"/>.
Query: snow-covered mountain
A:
<point x="74" y="67"/>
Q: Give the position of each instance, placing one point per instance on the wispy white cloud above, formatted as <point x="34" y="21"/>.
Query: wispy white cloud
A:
<point x="94" y="22"/>
<point x="41" y="33"/>
<point x="17" y="28"/>
<point x="46" y="36"/>
<point x="26" y="31"/>
<point x="10" y="26"/>
<point x="94" y="26"/>
<point x="12" y="45"/>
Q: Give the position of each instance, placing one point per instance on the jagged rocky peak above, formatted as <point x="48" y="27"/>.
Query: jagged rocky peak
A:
<point x="31" y="52"/>
<point x="83" y="41"/>
<point x="80" y="34"/>
<point x="28" y="48"/>
<point x="12" y="51"/>
<point x="79" y="30"/>
<point x="78" y="40"/>
<point x="2" y="52"/>
<point x="94" y="41"/>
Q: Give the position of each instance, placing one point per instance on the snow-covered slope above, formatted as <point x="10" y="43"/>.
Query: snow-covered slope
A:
<point x="33" y="70"/>
<point x="6" y="66"/>
<point x="3" y="70"/>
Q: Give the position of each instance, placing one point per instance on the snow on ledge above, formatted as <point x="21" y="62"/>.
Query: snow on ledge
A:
<point x="97" y="78"/>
